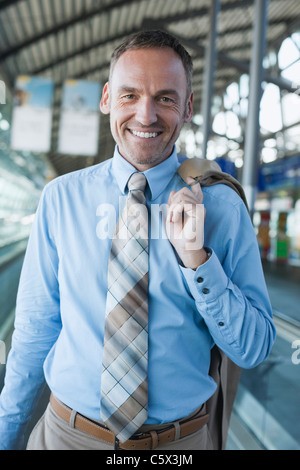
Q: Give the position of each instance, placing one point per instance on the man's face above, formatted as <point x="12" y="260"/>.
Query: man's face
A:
<point x="148" y="104"/>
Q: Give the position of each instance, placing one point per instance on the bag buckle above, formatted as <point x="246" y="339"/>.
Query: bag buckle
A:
<point x="116" y="444"/>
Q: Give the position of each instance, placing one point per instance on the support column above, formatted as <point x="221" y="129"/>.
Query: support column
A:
<point x="251" y="156"/>
<point x="208" y="77"/>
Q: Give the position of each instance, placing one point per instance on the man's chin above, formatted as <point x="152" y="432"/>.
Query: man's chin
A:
<point x="143" y="158"/>
<point x="148" y="160"/>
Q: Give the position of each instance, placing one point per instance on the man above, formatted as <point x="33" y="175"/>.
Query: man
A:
<point x="197" y="296"/>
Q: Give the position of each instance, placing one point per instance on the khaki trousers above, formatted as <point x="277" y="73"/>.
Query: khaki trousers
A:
<point x="52" y="433"/>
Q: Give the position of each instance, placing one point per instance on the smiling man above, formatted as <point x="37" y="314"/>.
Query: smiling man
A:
<point x="122" y="326"/>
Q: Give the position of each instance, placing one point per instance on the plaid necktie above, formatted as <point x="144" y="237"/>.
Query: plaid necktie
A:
<point x="125" y="353"/>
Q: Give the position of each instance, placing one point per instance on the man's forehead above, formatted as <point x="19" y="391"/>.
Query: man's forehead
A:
<point x="145" y="55"/>
<point x="154" y="61"/>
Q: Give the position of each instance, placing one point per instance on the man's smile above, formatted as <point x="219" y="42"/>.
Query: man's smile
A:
<point x="144" y="135"/>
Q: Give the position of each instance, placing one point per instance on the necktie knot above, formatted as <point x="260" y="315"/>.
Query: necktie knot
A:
<point x="137" y="181"/>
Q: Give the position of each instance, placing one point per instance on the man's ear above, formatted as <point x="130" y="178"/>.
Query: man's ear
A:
<point x="105" y="100"/>
<point x="189" y="109"/>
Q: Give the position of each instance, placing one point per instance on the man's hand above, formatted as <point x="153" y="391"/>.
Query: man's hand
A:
<point x="185" y="224"/>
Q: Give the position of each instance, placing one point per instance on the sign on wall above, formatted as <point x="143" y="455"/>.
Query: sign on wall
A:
<point x="79" y="122"/>
<point x="32" y="114"/>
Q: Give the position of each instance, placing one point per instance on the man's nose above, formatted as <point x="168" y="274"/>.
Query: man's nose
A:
<point x="146" y="112"/>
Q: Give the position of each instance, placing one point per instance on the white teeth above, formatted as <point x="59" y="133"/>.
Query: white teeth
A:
<point x="145" y="135"/>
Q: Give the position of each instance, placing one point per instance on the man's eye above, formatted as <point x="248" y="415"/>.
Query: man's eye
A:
<point x="165" y="99"/>
<point x="129" y="97"/>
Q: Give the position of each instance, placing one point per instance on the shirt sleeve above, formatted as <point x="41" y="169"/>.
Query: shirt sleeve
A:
<point x="37" y="326"/>
<point x="231" y="295"/>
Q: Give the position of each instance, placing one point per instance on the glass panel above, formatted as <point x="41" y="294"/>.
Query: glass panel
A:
<point x="292" y="139"/>
<point x="244" y="86"/>
<point x="288" y="53"/>
<point x="270" y="110"/>
<point x="296" y="38"/>
<point x="290" y="109"/>
<point x="292" y="73"/>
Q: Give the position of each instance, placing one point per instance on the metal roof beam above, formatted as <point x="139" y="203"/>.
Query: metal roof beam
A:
<point x="244" y="67"/>
<point x="84" y="15"/>
<point x="8" y="3"/>
<point x="99" y="10"/>
<point x="83" y="50"/>
<point x="197" y="12"/>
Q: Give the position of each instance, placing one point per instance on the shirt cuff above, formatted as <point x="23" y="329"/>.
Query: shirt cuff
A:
<point x="208" y="281"/>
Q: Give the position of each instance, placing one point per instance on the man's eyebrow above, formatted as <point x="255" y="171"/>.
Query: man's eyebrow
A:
<point x="165" y="91"/>
<point x="127" y="89"/>
<point x="168" y="91"/>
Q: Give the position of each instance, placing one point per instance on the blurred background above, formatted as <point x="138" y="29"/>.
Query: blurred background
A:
<point x="54" y="60"/>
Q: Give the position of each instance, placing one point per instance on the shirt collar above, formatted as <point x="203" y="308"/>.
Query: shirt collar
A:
<point x="158" y="177"/>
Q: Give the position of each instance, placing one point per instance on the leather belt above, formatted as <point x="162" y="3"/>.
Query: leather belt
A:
<point x="140" y="441"/>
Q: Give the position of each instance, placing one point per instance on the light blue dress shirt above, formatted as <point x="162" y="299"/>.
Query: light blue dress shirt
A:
<point x="60" y="310"/>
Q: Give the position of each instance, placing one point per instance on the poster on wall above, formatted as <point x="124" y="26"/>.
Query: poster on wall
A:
<point x="32" y="114"/>
<point x="79" y="120"/>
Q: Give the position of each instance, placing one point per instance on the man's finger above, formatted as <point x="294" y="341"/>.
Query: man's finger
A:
<point x="171" y="195"/>
<point x="187" y="197"/>
<point x="174" y="212"/>
<point x="196" y="188"/>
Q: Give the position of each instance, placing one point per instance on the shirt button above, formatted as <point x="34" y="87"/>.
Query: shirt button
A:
<point x="221" y="323"/>
<point x="205" y="290"/>
<point x="200" y="279"/>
